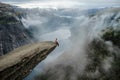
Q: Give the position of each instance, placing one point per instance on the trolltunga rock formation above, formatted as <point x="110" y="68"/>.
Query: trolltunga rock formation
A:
<point x="19" y="63"/>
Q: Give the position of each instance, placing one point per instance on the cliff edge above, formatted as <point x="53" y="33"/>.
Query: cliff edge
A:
<point x="19" y="63"/>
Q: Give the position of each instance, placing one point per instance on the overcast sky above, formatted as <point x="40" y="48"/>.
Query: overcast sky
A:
<point x="63" y="3"/>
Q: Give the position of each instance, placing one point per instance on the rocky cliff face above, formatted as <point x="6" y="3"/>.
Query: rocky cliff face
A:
<point x="19" y="63"/>
<point x="12" y="32"/>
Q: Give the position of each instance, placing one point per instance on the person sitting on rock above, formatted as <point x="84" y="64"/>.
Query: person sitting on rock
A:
<point x="56" y="42"/>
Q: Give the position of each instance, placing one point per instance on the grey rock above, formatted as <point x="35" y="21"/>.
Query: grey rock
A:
<point x="12" y="32"/>
<point x="19" y="63"/>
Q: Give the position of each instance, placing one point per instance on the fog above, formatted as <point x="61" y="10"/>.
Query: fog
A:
<point x="74" y="33"/>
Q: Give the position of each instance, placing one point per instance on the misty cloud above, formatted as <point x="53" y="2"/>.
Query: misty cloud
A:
<point x="74" y="35"/>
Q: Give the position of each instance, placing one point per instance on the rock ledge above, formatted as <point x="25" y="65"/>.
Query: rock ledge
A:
<point x="19" y="63"/>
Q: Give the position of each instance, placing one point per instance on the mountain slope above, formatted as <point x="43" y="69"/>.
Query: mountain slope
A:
<point x="12" y="32"/>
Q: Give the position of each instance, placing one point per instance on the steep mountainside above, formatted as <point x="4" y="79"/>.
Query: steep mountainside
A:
<point x="12" y="32"/>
